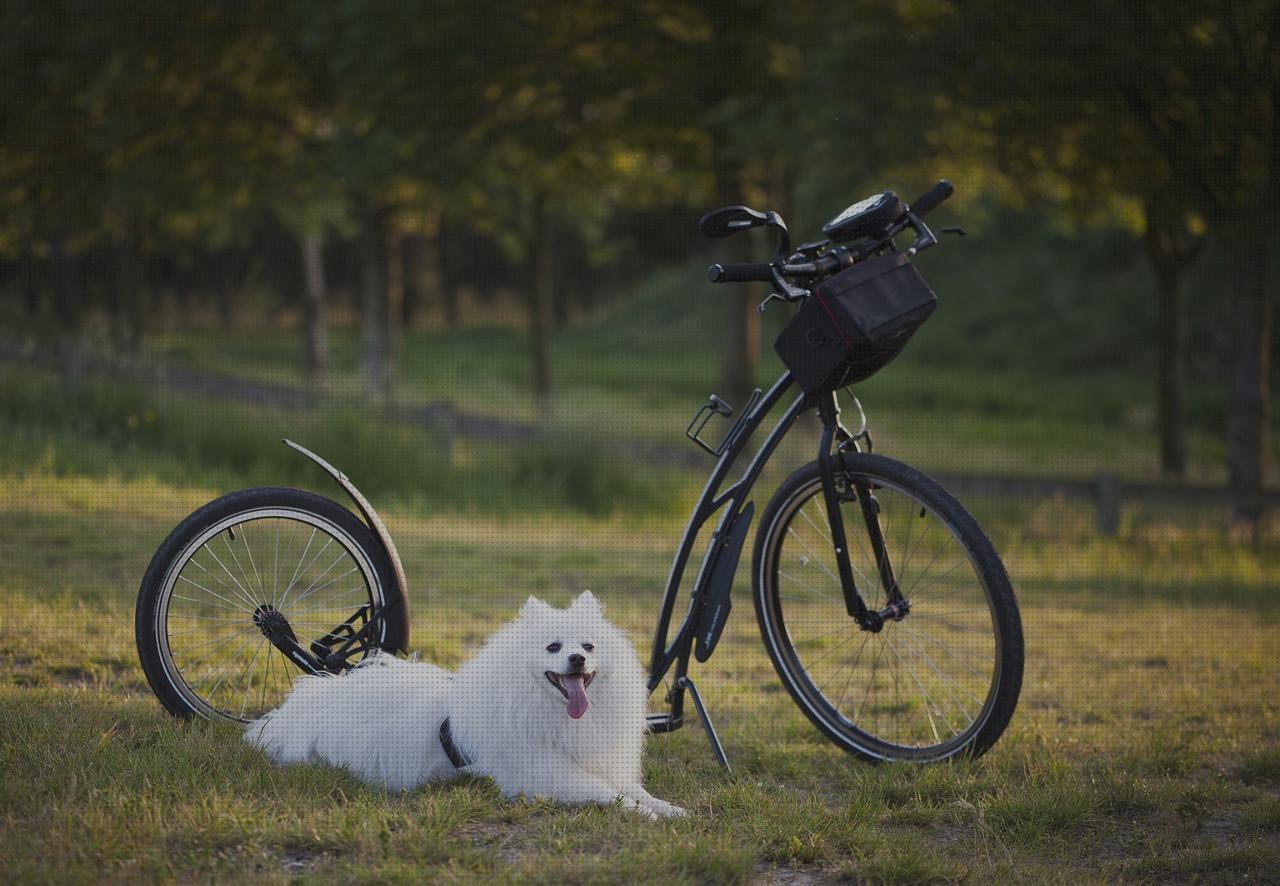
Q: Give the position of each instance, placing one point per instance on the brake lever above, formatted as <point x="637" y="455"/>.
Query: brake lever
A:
<point x="786" y="293"/>
<point x="764" y="304"/>
<point x="924" y="237"/>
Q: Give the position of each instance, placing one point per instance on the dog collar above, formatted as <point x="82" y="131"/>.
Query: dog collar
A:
<point x="456" y="756"/>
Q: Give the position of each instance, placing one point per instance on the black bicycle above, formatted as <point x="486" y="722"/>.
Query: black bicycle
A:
<point x="883" y="606"/>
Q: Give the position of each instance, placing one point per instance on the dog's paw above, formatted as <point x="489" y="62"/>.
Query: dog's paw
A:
<point x="662" y="809"/>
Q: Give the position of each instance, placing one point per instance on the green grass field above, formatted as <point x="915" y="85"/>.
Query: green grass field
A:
<point x="1146" y="745"/>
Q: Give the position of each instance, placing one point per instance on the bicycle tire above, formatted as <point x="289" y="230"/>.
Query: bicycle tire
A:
<point x="233" y="593"/>
<point x="920" y="634"/>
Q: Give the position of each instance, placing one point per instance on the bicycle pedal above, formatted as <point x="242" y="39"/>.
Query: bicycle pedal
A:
<point x="663" y="723"/>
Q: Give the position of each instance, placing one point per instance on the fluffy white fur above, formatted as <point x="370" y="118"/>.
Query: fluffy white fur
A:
<point x="382" y="720"/>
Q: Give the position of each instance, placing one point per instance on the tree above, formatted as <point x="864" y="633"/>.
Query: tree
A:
<point x="1187" y="128"/>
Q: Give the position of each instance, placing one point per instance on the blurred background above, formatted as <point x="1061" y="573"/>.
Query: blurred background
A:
<point x="452" y="247"/>
<point x="416" y="233"/>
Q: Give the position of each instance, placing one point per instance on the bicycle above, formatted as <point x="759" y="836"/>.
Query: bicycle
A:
<point x="912" y="620"/>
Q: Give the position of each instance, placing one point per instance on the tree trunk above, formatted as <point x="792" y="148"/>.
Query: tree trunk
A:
<point x="395" y="291"/>
<point x="444" y="265"/>
<point x="1171" y="398"/>
<point x="415" y="248"/>
<point x="540" y="301"/>
<point x="131" y="287"/>
<point x="315" y="309"/>
<point x="66" y="289"/>
<point x="1248" y="414"/>
<point x="229" y="277"/>
<point x="560" y="306"/>
<point x="30" y="287"/>
<point x="430" y="268"/>
<point x="1171" y="250"/>
<point x="373" y="299"/>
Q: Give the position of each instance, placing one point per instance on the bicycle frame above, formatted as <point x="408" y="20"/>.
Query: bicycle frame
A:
<point x="731" y="504"/>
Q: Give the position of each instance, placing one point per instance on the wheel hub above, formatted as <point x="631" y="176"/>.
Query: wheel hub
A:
<point x="271" y="621"/>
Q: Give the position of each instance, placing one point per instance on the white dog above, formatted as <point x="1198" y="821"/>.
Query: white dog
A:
<point x="552" y="706"/>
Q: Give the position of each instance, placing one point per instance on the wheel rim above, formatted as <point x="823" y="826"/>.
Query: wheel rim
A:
<point x="291" y="561"/>
<point x="923" y="687"/>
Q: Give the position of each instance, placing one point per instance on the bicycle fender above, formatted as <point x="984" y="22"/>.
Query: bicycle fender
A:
<point x="716" y="602"/>
<point x="370" y="517"/>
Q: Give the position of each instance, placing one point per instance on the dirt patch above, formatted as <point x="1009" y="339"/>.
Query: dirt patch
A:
<point x="509" y="841"/>
<point x="300" y="859"/>
<point x="784" y="875"/>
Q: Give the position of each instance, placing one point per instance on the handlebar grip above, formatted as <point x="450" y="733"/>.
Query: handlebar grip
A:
<point x="931" y="198"/>
<point x="748" y="272"/>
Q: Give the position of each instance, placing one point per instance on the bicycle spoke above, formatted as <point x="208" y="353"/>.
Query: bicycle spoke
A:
<point x="229" y="575"/>
<point x="923" y="688"/>
<point x="355" y="595"/>
<point x="331" y="581"/>
<point x="801" y="584"/>
<point x="854" y="566"/>
<point x="248" y="549"/>
<point x="320" y="553"/>
<point x="248" y="669"/>
<point x="213" y="594"/>
<point x="229" y="589"/>
<point x="949" y="683"/>
<point x="928" y="700"/>
<point x="275" y="567"/>
<point x="225" y="664"/>
<point x="298" y="568"/>
<point x="209" y="603"/>
<point x="236" y="560"/>
<point x="950" y="570"/>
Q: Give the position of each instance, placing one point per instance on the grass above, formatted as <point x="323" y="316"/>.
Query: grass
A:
<point x="101" y="428"/>
<point x="1143" y="747"/>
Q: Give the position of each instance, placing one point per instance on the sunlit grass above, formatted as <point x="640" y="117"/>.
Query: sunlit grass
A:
<point x="1143" y="745"/>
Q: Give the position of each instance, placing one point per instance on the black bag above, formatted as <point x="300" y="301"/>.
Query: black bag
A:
<point x="855" y="323"/>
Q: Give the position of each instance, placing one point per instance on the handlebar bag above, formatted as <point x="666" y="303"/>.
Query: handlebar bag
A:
<point x="855" y="323"/>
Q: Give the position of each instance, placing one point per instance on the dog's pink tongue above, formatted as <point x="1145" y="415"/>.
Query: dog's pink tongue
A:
<point x="574" y="688"/>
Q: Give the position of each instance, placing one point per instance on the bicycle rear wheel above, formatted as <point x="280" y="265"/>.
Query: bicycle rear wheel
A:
<point x="942" y="681"/>
<point x="250" y="556"/>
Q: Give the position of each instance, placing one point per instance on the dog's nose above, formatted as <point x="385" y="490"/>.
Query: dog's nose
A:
<point x="577" y="660"/>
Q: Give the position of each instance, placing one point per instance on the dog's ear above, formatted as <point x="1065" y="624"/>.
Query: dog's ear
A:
<point x="586" y="600"/>
<point x="532" y="606"/>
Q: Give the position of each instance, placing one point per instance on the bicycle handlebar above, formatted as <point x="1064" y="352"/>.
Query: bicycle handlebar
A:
<point x="746" y="272"/>
<point x="931" y="198"/>
<point x="779" y="271"/>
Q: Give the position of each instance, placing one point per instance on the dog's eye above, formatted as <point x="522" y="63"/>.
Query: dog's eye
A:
<point x="590" y="647"/>
<point x="554" y="647"/>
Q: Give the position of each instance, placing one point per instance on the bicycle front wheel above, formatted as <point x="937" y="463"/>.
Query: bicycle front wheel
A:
<point x="941" y="682"/>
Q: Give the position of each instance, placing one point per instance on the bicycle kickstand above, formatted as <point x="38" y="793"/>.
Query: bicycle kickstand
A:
<point x="716" y="747"/>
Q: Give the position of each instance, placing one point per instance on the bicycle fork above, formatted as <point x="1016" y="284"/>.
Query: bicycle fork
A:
<point x="868" y="619"/>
